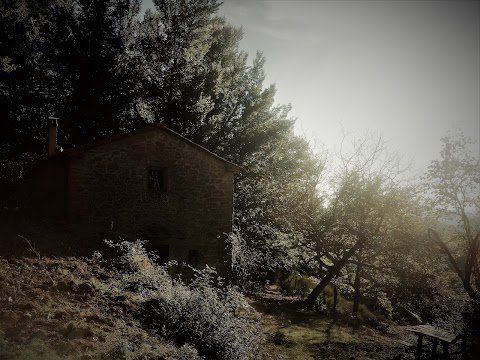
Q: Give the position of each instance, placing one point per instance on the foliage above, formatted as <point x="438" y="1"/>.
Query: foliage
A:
<point x="369" y="217"/>
<point x="68" y="59"/>
<point x="247" y="262"/>
<point x="200" y="85"/>
<point x="453" y="194"/>
<point x="297" y="285"/>
<point x="218" y="322"/>
<point x="453" y="181"/>
<point x="275" y="197"/>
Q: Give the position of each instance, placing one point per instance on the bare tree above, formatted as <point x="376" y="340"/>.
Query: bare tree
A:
<point x="366" y="207"/>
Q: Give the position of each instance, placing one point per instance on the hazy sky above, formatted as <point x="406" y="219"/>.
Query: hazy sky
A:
<point x="408" y="70"/>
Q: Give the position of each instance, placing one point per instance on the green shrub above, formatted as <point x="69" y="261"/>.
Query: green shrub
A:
<point x="218" y="322"/>
<point x="297" y="285"/>
<point x="344" y="308"/>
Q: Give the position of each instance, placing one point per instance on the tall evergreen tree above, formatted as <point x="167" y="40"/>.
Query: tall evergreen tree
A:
<point x="69" y="59"/>
<point x="102" y="76"/>
<point x="23" y="80"/>
<point x="171" y="46"/>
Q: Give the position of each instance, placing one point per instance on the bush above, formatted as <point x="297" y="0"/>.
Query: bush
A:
<point x="297" y="285"/>
<point x="218" y="322"/>
<point x="247" y="262"/>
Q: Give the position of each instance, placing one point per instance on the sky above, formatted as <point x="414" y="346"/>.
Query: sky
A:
<point x="406" y="70"/>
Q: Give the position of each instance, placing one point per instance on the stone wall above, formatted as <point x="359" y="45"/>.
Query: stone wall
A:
<point x="108" y="192"/>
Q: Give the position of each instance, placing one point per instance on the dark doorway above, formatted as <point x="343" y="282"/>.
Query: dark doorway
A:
<point x="157" y="242"/>
<point x="162" y="251"/>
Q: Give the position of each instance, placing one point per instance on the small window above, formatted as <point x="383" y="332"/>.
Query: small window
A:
<point x="157" y="179"/>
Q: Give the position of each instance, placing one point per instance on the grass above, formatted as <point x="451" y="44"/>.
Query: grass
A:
<point x="294" y="333"/>
<point x="301" y="286"/>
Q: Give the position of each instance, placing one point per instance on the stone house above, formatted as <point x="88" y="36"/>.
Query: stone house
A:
<point x="149" y="184"/>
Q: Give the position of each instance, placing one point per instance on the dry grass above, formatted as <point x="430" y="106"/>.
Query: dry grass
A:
<point x="52" y="309"/>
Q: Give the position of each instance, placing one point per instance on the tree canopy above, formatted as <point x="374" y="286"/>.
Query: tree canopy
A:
<point x="452" y="187"/>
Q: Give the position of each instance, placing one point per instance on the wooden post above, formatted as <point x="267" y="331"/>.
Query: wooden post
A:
<point x="463" y="346"/>
<point x="446" y="354"/>
<point x="434" y="348"/>
<point x="418" y="353"/>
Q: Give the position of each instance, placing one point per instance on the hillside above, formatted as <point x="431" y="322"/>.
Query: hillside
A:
<point x="55" y="308"/>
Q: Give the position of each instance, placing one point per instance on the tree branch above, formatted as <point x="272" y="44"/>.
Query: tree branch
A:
<point x="433" y="235"/>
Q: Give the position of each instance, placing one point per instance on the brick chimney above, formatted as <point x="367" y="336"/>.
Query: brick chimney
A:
<point x="52" y="136"/>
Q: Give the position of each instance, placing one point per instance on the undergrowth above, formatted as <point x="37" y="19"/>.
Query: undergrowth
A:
<point x="298" y="285"/>
<point x="217" y="321"/>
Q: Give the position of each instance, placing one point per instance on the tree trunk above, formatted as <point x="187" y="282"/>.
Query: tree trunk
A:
<point x="465" y="280"/>
<point x="356" y="286"/>
<point x="335" y="298"/>
<point x="332" y="273"/>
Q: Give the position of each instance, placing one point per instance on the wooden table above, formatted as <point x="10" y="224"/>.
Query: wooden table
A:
<point x="437" y="335"/>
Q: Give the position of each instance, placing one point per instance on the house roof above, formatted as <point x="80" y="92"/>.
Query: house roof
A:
<point x="79" y="150"/>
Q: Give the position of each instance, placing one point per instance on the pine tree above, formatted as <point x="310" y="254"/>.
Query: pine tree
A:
<point x="69" y="59"/>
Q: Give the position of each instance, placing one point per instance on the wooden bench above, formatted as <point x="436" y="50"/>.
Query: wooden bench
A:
<point x="437" y="335"/>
